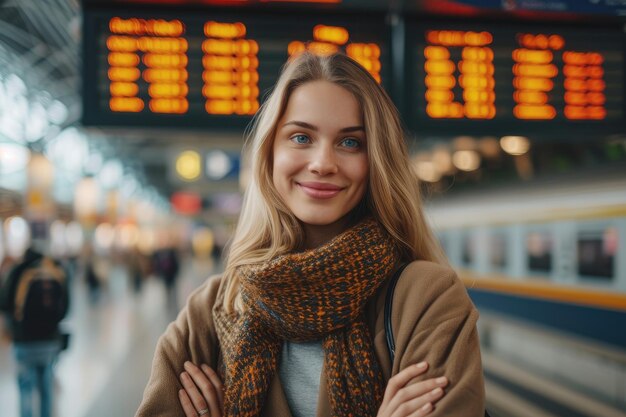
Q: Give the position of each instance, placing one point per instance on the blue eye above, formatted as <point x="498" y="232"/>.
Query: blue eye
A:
<point x="351" y="143"/>
<point x="301" y="139"/>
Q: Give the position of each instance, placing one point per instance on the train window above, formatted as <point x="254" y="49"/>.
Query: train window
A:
<point x="497" y="250"/>
<point x="596" y="253"/>
<point x="468" y="249"/>
<point x="539" y="247"/>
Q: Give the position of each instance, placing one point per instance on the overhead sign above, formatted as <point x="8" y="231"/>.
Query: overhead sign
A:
<point x="207" y="70"/>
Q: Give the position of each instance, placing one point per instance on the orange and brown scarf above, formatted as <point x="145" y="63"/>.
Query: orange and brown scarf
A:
<point x="311" y="295"/>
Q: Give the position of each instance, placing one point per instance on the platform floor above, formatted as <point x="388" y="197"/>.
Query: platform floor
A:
<point x="107" y="364"/>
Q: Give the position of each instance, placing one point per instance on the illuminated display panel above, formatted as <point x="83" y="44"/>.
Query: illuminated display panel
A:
<point x="502" y="78"/>
<point x="207" y="69"/>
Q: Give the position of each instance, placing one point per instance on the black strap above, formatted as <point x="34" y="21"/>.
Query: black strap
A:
<point x="391" y="344"/>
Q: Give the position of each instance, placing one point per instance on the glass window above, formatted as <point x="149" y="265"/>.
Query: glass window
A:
<point x="539" y="248"/>
<point x="497" y="250"/>
<point x="468" y="249"/>
<point x="596" y="253"/>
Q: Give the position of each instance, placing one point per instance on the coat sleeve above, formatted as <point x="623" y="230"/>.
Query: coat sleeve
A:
<point x="436" y="323"/>
<point x="191" y="337"/>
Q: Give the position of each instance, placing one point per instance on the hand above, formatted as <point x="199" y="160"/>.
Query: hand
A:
<point x="202" y="393"/>
<point x="414" y="400"/>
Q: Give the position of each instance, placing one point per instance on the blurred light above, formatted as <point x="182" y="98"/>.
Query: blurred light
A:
<point x="218" y="164"/>
<point x="58" y="243"/>
<point x="123" y="59"/>
<point x="129" y="186"/>
<point x="126" y="104"/>
<point x="13" y="157"/>
<point x="436" y="53"/>
<point x="40" y="172"/>
<point x="458" y="38"/>
<point x="17" y="236"/>
<point x="442" y="160"/>
<point x="224" y="30"/>
<point x="168" y="90"/>
<point x="74" y="238"/>
<point x="188" y="165"/>
<point x="57" y="112"/>
<point x="167" y="105"/>
<point x="14" y="107"/>
<point x="126" y="236"/>
<point x="464" y="143"/>
<point x="86" y="199"/>
<point x="239" y="48"/>
<point x="94" y="163"/>
<point x="466" y="160"/>
<point x="103" y="237"/>
<point x="157" y="27"/>
<point x="126" y="89"/>
<point x="37" y="124"/>
<point x="124" y="74"/>
<point x="515" y="145"/>
<point x="537" y="112"/>
<point x="426" y="171"/>
<point x="186" y="203"/>
<point x="489" y="147"/>
<point x="111" y="174"/>
<point x="533" y="56"/>
<point x="147" y="241"/>
<point x="165" y="60"/>
<point x="162" y="45"/>
<point x="322" y="48"/>
<point x="69" y="151"/>
<point x="202" y="242"/>
<point x="335" y="34"/>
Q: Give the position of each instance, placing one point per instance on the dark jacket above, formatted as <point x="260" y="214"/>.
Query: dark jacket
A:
<point x="45" y="330"/>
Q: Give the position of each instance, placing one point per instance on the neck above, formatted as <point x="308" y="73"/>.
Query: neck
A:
<point x="317" y="235"/>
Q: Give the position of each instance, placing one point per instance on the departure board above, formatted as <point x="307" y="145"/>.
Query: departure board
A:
<point x="472" y="78"/>
<point x="207" y="69"/>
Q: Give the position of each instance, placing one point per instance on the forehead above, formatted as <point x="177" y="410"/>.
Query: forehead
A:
<point x="323" y="104"/>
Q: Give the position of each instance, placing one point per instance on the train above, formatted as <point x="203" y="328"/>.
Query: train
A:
<point x="545" y="264"/>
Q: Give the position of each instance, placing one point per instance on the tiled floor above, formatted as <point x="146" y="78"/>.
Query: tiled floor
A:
<point x="107" y="364"/>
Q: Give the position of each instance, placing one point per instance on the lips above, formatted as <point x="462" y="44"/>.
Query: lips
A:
<point x="319" y="190"/>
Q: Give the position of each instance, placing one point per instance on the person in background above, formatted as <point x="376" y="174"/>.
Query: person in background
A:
<point x="35" y="298"/>
<point x="166" y="265"/>
<point x="295" y="326"/>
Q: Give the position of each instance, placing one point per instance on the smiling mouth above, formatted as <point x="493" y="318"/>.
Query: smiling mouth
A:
<point x="320" y="191"/>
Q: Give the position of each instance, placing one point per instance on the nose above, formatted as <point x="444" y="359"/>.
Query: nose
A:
<point x="323" y="160"/>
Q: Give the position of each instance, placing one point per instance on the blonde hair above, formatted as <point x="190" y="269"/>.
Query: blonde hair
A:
<point x="267" y="228"/>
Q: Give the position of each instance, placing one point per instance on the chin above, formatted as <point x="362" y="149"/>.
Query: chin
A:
<point x="319" y="219"/>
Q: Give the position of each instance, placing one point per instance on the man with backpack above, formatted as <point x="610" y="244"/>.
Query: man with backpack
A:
<point x="35" y="299"/>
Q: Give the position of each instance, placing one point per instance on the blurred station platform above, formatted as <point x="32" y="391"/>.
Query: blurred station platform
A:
<point x="122" y="124"/>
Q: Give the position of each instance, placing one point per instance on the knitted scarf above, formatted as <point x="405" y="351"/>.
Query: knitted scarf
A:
<point x="310" y="295"/>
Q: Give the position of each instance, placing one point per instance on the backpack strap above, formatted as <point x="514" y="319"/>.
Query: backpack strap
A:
<point x="391" y="344"/>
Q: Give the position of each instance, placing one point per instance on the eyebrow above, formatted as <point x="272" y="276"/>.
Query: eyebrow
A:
<point x="314" y="128"/>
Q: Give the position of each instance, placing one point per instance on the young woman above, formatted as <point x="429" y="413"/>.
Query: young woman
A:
<point x="295" y="325"/>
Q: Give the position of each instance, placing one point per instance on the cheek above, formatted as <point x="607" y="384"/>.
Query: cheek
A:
<point x="281" y="167"/>
<point x="360" y="174"/>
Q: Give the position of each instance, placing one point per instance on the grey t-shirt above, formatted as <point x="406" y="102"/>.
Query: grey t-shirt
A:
<point x="299" y="368"/>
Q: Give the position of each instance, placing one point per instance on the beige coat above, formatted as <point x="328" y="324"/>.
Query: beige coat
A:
<point x="433" y="320"/>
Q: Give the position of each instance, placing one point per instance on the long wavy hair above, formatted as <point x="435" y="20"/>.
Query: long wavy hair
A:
<point x="266" y="226"/>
